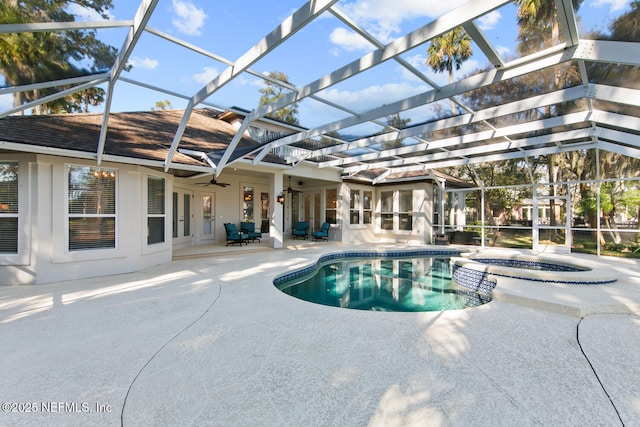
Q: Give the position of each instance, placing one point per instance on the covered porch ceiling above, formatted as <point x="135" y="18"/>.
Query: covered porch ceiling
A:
<point x="603" y="114"/>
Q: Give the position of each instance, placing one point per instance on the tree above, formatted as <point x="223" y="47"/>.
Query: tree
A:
<point x="77" y="102"/>
<point x="538" y="29"/>
<point x="394" y="122"/>
<point x="27" y="58"/>
<point x="627" y="26"/>
<point x="272" y="92"/>
<point x="162" y="105"/>
<point x="449" y="50"/>
<point x="627" y="29"/>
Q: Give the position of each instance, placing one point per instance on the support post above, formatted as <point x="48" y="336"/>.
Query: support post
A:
<point x="276" y="223"/>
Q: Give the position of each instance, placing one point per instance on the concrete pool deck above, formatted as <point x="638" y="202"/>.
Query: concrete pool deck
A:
<point x="210" y="341"/>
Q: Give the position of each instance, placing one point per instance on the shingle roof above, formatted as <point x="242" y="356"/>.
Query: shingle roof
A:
<point x="416" y="175"/>
<point x="143" y="135"/>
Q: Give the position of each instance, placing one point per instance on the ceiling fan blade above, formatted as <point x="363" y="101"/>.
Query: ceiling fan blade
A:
<point x="213" y="182"/>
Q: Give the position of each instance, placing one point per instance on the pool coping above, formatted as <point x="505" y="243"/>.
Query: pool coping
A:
<point x="587" y="276"/>
<point x="619" y="297"/>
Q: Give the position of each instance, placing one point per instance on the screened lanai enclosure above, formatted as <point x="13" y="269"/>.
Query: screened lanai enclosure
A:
<point x="534" y="104"/>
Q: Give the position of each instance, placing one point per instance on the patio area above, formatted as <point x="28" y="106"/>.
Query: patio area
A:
<point x="208" y="340"/>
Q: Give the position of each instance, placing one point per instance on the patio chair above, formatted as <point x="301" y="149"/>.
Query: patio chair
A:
<point x="250" y="229"/>
<point x="235" y="236"/>
<point x="301" y="230"/>
<point x="322" y="234"/>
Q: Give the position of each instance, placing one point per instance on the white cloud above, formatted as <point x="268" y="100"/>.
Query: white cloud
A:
<point x="372" y="96"/>
<point x="503" y="51"/>
<point x="383" y="18"/>
<point x="614" y="5"/>
<point x="189" y="19"/>
<point x="146" y="63"/>
<point x="349" y="40"/>
<point x="207" y="74"/>
<point x="392" y="13"/>
<point x="489" y="21"/>
<point x="86" y="13"/>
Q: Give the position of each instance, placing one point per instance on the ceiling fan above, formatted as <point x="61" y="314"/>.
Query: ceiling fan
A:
<point x="213" y="182"/>
<point x="290" y="190"/>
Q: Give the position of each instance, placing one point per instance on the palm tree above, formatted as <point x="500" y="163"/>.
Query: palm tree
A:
<point x="537" y="23"/>
<point x="449" y="50"/>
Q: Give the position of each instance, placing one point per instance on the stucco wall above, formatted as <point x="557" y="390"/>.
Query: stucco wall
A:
<point x="43" y="242"/>
<point x="45" y="253"/>
<point x="422" y="216"/>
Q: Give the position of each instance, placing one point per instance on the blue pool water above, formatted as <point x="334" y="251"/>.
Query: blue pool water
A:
<point x="421" y="283"/>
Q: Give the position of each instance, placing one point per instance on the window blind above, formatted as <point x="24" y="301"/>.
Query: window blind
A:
<point x="155" y="209"/>
<point x="91" y="208"/>
<point x="9" y="207"/>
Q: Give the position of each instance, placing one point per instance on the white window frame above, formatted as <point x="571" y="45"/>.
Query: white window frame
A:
<point x="359" y="207"/>
<point x="355" y="206"/>
<point x="23" y="256"/>
<point x="328" y="208"/>
<point x="156" y="215"/>
<point x="395" y="211"/>
<point x="401" y="213"/>
<point x="387" y="212"/>
<point x="69" y="216"/>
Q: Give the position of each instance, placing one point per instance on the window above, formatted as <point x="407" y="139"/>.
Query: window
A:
<point x="354" y="207"/>
<point x="247" y="204"/>
<point x="386" y="210"/>
<point x="437" y="194"/>
<point x="264" y="212"/>
<point x="396" y="204"/>
<point x="360" y="207"/>
<point x="9" y="207"/>
<point x="155" y="210"/>
<point x="367" y="207"/>
<point x="405" y="210"/>
<point x="91" y="208"/>
<point x="331" y="203"/>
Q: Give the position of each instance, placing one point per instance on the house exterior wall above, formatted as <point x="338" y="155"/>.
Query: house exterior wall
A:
<point x="228" y="203"/>
<point x="44" y="254"/>
<point x="421" y="215"/>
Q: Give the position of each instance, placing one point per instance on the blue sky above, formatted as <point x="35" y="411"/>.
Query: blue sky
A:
<point x="229" y="29"/>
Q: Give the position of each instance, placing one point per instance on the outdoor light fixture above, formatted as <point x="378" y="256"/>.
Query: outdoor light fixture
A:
<point x="281" y="198"/>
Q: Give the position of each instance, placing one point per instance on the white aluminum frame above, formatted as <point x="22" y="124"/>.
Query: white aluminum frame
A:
<point x="423" y="153"/>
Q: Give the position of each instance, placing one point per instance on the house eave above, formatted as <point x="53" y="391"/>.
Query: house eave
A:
<point x="35" y="149"/>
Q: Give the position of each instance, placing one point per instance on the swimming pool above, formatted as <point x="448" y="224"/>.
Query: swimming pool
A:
<point x="375" y="281"/>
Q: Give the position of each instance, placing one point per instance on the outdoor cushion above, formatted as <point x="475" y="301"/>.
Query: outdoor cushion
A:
<point x="301" y="230"/>
<point x="323" y="233"/>
<point x="250" y="229"/>
<point x="234" y="236"/>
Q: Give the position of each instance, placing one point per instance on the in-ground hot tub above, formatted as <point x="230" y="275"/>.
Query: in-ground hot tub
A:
<point x="480" y="270"/>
